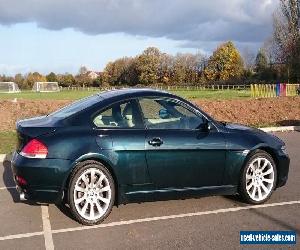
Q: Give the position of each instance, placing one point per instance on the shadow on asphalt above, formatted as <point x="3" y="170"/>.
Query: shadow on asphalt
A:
<point x="64" y="208"/>
<point x="289" y="123"/>
<point x="235" y="200"/>
<point x="8" y="179"/>
<point x="238" y="202"/>
<point x="275" y="220"/>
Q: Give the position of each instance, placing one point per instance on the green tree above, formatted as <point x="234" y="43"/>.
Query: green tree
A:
<point x="4" y="78"/>
<point x="19" y="79"/>
<point x="96" y="82"/>
<point x="51" y="77"/>
<point x="261" y="61"/>
<point x="262" y="68"/>
<point x="31" y="78"/>
<point x="225" y="63"/>
<point x="83" y="80"/>
<point x="179" y="69"/>
<point x="165" y="69"/>
<point x="66" y="80"/>
<point x="148" y="65"/>
<point x="121" y="71"/>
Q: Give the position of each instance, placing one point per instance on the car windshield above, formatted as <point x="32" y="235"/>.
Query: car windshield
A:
<point x="76" y="107"/>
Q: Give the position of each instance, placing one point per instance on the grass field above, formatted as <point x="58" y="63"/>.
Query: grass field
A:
<point x="73" y="94"/>
<point x="7" y="141"/>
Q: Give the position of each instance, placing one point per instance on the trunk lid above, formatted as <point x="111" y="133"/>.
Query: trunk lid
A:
<point x="28" y="129"/>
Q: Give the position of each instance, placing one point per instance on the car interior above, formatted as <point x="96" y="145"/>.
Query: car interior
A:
<point x="157" y="114"/>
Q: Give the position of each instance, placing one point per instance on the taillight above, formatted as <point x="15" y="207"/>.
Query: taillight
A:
<point x="35" y="149"/>
<point x="21" y="181"/>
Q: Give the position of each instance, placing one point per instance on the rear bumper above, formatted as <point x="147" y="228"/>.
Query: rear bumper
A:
<point x="45" y="178"/>
<point x="283" y="163"/>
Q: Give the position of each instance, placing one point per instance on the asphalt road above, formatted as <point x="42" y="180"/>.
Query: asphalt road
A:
<point x="203" y="223"/>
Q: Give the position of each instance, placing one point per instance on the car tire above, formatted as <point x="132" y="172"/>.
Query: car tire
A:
<point x="258" y="178"/>
<point x="91" y="192"/>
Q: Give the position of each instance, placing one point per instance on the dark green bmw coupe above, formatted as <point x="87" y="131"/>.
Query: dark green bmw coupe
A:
<point x="139" y="144"/>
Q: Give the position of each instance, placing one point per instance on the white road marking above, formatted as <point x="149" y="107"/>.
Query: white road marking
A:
<point x="129" y="222"/>
<point x="2" y="157"/>
<point x="49" y="245"/>
<point x="168" y="217"/>
<point x="19" y="236"/>
<point x="5" y="188"/>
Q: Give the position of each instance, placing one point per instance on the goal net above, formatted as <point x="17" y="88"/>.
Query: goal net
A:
<point x="9" y="87"/>
<point x="45" y="87"/>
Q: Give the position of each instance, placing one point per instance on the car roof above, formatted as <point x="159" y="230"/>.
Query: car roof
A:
<point x="132" y="92"/>
<point x="111" y="96"/>
<point x="127" y="93"/>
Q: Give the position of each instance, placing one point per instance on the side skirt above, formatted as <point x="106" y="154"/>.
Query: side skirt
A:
<point x="177" y="193"/>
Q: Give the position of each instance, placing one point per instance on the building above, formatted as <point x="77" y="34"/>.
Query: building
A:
<point x="92" y="74"/>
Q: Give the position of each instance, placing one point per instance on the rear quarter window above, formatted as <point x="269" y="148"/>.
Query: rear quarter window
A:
<point x="76" y="107"/>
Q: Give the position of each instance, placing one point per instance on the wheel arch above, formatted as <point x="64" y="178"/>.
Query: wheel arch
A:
<point x="272" y="153"/>
<point x="103" y="161"/>
<point x="266" y="149"/>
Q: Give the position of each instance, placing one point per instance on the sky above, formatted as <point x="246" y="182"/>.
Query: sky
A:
<point x="62" y="35"/>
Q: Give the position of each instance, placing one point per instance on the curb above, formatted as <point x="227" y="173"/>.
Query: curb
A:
<point x="281" y="129"/>
<point x="268" y="129"/>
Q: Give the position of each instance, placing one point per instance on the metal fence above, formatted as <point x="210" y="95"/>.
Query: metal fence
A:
<point x="161" y="87"/>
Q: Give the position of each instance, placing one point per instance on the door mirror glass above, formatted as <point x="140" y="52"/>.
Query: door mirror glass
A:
<point x="164" y="114"/>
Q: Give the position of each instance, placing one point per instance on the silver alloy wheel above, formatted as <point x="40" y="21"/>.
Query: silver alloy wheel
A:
<point x="92" y="194"/>
<point x="259" y="178"/>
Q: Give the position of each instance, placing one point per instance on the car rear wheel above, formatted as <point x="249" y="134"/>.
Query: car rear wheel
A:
<point x="258" y="178"/>
<point x="91" y="193"/>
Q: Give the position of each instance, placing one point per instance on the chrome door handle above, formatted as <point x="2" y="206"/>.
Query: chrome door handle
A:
<point x="155" y="142"/>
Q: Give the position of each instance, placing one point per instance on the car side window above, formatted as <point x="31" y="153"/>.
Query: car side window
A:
<point x="118" y="115"/>
<point x="165" y="113"/>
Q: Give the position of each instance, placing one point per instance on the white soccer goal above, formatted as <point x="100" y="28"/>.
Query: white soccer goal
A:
<point x="45" y="87"/>
<point x="9" y="87"/>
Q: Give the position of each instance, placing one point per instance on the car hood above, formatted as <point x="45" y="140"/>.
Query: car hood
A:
<point x="267" y="138"/>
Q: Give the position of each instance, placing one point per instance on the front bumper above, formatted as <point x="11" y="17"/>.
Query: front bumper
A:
<point x="45" y="178"/>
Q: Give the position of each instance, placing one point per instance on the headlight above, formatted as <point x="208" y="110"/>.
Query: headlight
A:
<point x="283" y="149"/>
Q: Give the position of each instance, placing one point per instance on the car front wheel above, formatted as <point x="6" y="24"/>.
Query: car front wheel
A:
<point x="91" y="193"/>
<point x="258" y="179"/>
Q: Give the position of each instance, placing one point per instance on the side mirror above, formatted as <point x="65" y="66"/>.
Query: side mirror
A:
<point x="205" y="126"/>
<point x="164" y="114"/>
<point x="208" y="126"/>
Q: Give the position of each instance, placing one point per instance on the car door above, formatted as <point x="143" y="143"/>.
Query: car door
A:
<point x="120" y="135"/>
<point x="179" y="152"/>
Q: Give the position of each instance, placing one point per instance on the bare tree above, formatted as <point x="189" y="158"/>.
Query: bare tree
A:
<point x="286" y="37"/>
<point x="286" y="29"/>
<point x="248" y="56"/>
<point x="82" y="70"/>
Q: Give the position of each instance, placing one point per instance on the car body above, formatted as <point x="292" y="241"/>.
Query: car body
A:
<point x="148" y="140"/>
